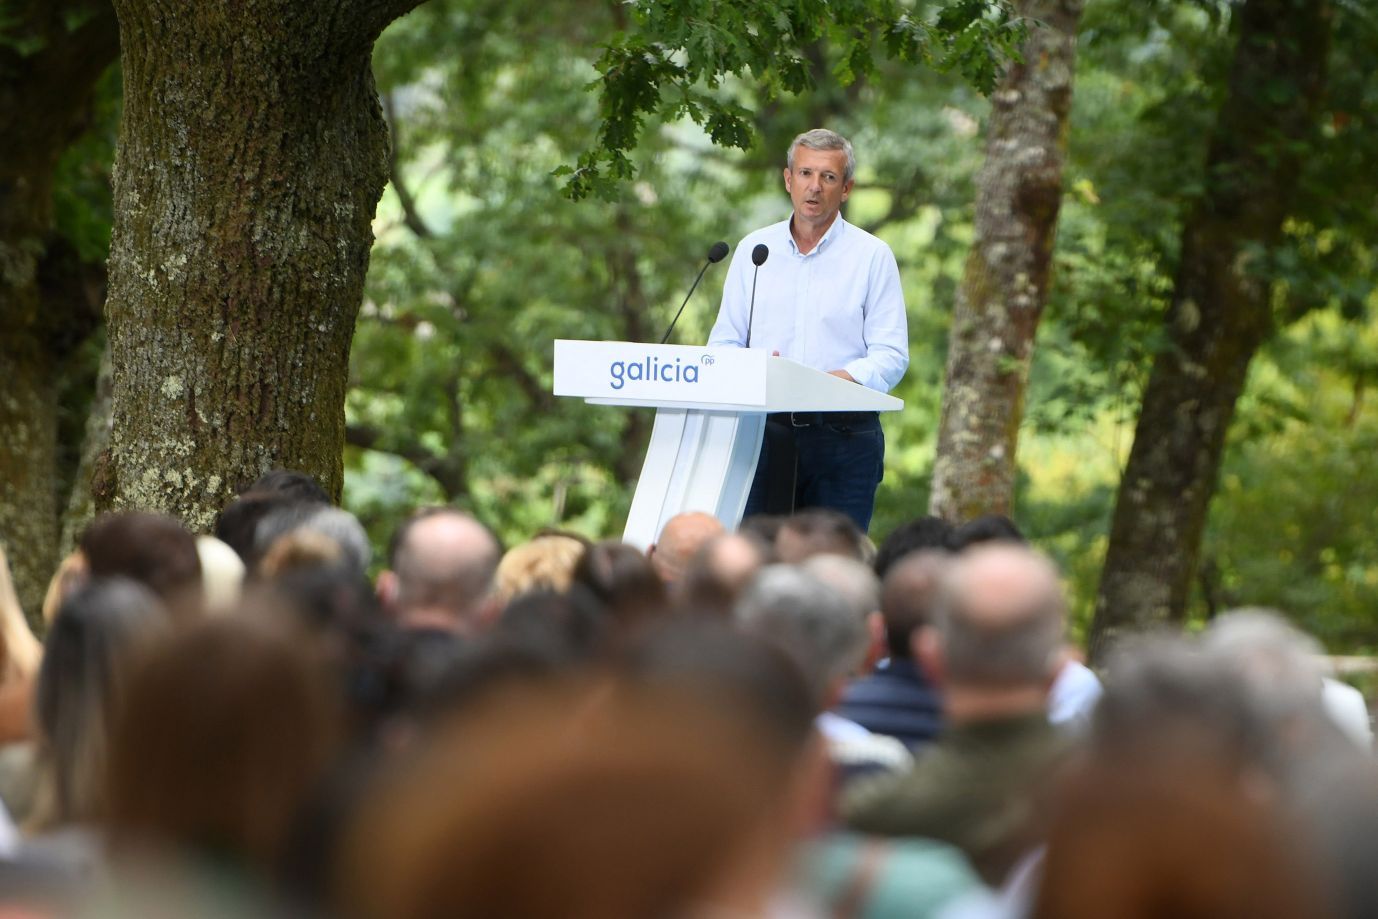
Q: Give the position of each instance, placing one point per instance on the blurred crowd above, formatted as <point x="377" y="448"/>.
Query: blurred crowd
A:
<point x="784" y="721"/>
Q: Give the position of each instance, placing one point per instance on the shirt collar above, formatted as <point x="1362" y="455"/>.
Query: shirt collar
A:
<point x="833" y="231"/>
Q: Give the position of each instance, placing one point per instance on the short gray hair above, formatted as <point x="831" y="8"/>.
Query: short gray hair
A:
<point x="325" y="519"/>
<point x="856" y="582"/>
<point x="1282" y="665"/>
<point x="1014" y="638"/>
<point x="825" y="140"/>
<point x="807" y="619"/>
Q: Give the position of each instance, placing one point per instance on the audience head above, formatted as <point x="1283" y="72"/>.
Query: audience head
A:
<point x="987" y="528"/>
<point x="818" y="531"/>
<point x="998" y="623"/>
<point x="1170" y="802"/>
<point x="908" y="597"/>
<point x="545" y="563"/>
<point x="653" y="804"/>
<point x="237" y="524"/>
<point x="153" y="549"/>
<point x="225" y="731"/>
<point x="718" y="573"/>
<point x="96" y="641"/>
<point x="762" y="528"/>
<point x="810" y="621"/>
<point x="923" y="534"/>
<point x="296" y="486"/>
<point x="441" y="569"/>
<point x="319" y="520"/>
<point x="572" y="624"/>
<point x="222" y="574"/>
<point x="856" y="583"/>
<point x="680" y="540"/>
<point x="1283" y="665"/>
<point x="624" y="582"/>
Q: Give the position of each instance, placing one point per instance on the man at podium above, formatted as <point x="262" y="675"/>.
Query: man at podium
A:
<point x="822" y="292"/>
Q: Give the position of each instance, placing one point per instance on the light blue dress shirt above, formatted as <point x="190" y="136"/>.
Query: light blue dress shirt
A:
<point x="840" y="307"/>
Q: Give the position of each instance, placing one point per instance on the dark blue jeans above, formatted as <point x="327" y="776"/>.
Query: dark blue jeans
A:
<point x="839" y="466"/>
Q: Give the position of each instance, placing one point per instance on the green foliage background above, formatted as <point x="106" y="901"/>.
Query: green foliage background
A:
<point x="490" y="104"/>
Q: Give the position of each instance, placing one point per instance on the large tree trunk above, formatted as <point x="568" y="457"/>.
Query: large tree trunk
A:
<point x="1005" y="285"/>
<point x="252" y="156"/>
<point x="45" y="100"/>
<point x="1219" y="316"/>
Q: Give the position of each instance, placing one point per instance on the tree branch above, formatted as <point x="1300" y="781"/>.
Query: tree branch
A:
<point x="410" y="216"/>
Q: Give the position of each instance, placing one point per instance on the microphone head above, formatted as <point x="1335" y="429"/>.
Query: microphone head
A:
<point x="717" y="253"/>
<point x="760" y="254"/>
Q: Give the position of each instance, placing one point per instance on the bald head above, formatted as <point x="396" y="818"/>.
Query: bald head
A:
<point x="999" y="617"/>
<point x="680" y="540"/>
<point x="443" y="562"/>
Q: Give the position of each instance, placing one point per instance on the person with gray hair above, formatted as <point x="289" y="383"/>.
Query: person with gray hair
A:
<point x="813" y="623"/>
<point x="994" y="646"/>
<point x="339" y="526"/>
<point x="1287" y="669"/>
<point x="816" y="289"/>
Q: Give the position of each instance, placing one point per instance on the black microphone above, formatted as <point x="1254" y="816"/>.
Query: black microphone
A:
<point x="716" y="253"/>
<point x="758" y="258"/>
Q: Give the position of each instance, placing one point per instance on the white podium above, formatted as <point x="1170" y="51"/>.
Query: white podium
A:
<point x="711" y="406"/>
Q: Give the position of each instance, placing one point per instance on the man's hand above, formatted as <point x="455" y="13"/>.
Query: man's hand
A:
<point x="844" y="375"/>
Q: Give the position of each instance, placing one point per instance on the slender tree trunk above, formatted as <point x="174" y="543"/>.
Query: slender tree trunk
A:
<point x="1219" y="316"/>
<point x="45" y="100"/>
<point x="1005" y="285"/>
<point x="252" y="155"/>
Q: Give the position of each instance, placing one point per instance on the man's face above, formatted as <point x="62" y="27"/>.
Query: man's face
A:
<point x="816" y="184"/>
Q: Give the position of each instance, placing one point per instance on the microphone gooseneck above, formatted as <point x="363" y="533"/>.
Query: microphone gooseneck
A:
<point x="716" y="253"/>
<point x="758" y="258"/>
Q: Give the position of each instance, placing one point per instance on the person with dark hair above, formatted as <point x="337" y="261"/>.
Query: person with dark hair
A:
<point x="153" y="549"/>
<point x="994" y="648"/>
<point x="297" y="486"/>
<point x="816" y="531"/>
<point x="571" y="623"/>
<point x="440" y="575"/>
<point x="923" y="534"/>
<point x="897" y="699"/>
<point x="986" y="528"/>
<point x="762" y="527"/>
<point x="98" y="637"/>
<point x="237" y="524"/>
<point x="625" y="582"/>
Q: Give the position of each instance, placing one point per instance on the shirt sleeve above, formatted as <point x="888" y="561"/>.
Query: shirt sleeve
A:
<point x="885" y="327"/>
<point x="730" y="328"/>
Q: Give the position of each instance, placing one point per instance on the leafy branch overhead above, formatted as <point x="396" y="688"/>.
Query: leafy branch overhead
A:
<point x="673" y="60"/>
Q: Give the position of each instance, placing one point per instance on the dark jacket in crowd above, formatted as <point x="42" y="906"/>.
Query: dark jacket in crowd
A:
<point x="896" y="700"/>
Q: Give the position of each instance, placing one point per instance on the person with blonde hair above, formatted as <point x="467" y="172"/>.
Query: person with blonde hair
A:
<point x="545" y="563"/>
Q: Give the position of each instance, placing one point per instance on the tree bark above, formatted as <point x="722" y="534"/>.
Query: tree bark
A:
<point x="45" y="100"/>
<point x="1219" y="316"/>
<point x="1005" y="284"/>
<point x="252" y="156"/>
